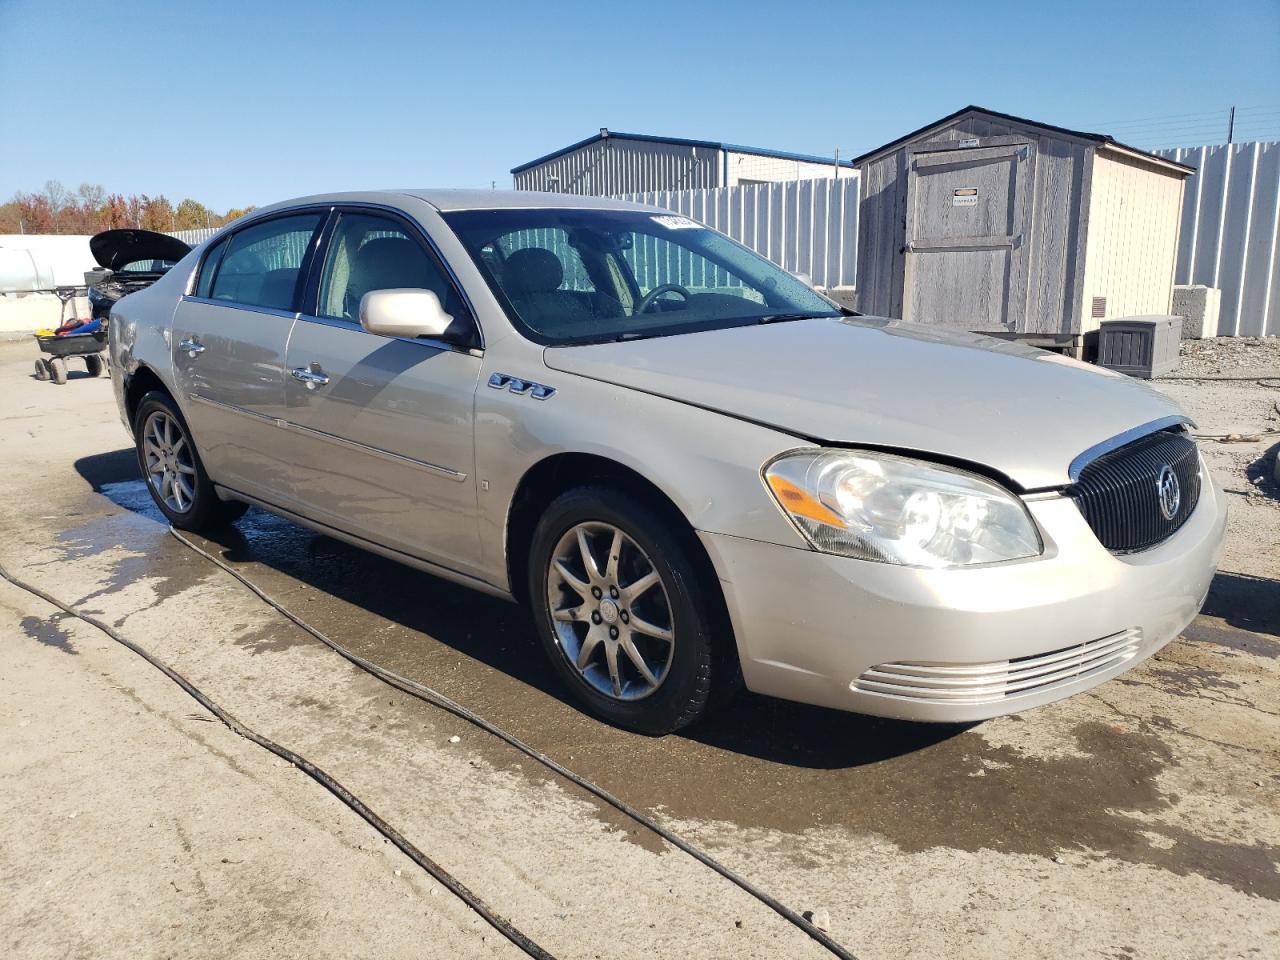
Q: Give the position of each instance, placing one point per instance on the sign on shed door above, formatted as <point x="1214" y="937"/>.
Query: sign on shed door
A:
<point x="966" y="255"/>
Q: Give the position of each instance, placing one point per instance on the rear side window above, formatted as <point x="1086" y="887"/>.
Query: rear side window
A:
<point x="210" y="268"/>
<point x="262" y="264"/>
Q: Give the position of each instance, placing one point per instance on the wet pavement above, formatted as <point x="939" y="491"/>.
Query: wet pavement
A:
<point x="1155" y="792"/>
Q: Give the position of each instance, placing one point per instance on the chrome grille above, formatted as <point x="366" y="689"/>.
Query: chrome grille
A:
<point x="1119" y="492"/>
<point x="960" y="683"/>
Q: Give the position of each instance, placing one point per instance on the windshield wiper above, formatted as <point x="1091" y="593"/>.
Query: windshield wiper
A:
<point x="784" y="317"/>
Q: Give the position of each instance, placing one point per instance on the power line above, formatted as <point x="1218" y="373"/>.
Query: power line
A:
<point x="1168" y="116"/>
<point x="1221" y="112"/>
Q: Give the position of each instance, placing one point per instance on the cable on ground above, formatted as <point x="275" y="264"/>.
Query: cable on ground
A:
<point x="438" y="699"/>
<point x="498" y="922"/>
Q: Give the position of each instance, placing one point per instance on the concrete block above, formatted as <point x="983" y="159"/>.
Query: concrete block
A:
<point x="1198" y="307"/>
<point x="845" y="296"/>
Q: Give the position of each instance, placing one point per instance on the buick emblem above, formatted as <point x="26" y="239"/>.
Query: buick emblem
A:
<point x="1170" y="492"/>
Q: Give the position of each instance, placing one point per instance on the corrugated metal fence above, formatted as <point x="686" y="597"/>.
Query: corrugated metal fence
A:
<point x="195" y="237"/>
<point x="1230" y="237"/>
<point x="804" y="226"/>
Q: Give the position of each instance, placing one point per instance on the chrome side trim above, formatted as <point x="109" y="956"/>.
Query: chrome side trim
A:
<point x="435" y="468"/>
<point x="247" y="307"/>
<point x="231" y="408"/>
<point x="1120" y="439"/>
<point x="426" y="566"/>
<point x="446" y="472"/>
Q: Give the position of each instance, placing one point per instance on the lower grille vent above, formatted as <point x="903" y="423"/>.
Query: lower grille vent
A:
<point x="991" y="682"/>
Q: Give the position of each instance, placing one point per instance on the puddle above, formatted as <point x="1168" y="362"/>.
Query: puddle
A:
<point x="49" y="633"/>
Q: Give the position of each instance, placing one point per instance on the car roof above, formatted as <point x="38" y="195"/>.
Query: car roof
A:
<point x="517" y="199"/>
<point x="446" y="200"/>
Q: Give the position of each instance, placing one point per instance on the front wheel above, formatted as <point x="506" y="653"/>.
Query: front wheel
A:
<point x="621" y="610"/>
<point x="172" y="469"/>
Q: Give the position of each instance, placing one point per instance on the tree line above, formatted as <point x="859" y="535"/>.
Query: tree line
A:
<point x="90" y="209"/>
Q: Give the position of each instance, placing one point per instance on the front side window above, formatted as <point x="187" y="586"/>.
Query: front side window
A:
<point x="578" y="276"/>
<point x="369" y="252"/>
<point x="262" y="263"/>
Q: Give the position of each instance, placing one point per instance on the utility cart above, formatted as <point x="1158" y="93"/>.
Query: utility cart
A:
<point x="89" y="346"/>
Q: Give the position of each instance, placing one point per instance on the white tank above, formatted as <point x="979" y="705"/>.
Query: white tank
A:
<point x="42" y="262"/>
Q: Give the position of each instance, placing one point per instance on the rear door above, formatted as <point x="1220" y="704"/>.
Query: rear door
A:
<point x="966" y="236"/>
<point x="381" y="432"/>
<point x="228" y="345"/>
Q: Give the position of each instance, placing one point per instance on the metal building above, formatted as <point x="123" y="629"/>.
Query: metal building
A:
<point x="998" y="224"/>
<point x="614" y="163"/>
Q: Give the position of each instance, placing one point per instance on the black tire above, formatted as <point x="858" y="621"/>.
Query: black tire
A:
<point x="203" y="509"/>
<point x="58" y="370"/>
<point x="93" y="363"/>
<point x="42" y="369"/>
<point x="695" y="663"/>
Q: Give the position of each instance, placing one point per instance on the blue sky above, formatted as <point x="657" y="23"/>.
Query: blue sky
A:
<point x="236" y="102"/>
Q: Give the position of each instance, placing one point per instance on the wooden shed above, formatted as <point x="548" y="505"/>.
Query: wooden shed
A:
<point x="1003" y="225"/>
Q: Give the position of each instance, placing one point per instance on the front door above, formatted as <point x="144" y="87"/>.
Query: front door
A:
<point x="966" y="236"/>
<point x="381" y="428"/>
<point x="228" y="346"/>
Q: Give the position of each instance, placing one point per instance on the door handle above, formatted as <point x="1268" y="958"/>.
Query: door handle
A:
<point x="193" y="347"/>
<point x="311" y="376"/>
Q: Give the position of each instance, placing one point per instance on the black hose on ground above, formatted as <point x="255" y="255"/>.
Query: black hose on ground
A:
<point x="438" y="699"/>
<point x="499" y="923"/>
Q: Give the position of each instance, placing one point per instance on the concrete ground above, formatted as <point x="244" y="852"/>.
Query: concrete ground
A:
<point x="1139" y="820"/>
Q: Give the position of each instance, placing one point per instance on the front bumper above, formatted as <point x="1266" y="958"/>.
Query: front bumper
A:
<point x="962" y="644"/>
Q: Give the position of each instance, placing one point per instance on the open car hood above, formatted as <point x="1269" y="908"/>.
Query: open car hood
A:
<point x="114" y="249"/>
<point x="881" y="383"/>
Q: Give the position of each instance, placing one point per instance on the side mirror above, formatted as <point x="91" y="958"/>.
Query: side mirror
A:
<point x="403" y="313"/>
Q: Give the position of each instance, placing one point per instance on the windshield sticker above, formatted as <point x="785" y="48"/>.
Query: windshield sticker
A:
<point x="677" y="223"/>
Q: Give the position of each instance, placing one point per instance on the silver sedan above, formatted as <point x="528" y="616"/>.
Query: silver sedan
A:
<point x="696" y="471"/>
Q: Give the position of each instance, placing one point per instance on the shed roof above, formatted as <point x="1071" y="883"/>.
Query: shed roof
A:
<point x="682" y="142"/>
<point x="1099" y="138"/>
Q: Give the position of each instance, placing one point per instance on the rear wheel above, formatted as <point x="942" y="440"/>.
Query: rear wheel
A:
<point x="621" y="611"/>
<point x="93" y="363"/>
<point x="58" y="370"/>
<point x="42" y="369"/>
<point x="172" y="469"/>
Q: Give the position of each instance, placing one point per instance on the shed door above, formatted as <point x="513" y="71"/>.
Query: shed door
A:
<point x="966" y="226"/>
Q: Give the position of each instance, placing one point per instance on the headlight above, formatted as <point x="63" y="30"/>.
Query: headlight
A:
<point x="877" y="506"/>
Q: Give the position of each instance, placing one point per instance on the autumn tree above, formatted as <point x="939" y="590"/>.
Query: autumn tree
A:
<point x="90" y="209"/>
<point x="193" y="215"/>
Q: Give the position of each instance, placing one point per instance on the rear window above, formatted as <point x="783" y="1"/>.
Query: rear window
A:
<point x="147" y="266"/>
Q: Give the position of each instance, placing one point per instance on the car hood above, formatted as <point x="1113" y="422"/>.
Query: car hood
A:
<point x="114" y="249"/>
<point x="864" y="381"/>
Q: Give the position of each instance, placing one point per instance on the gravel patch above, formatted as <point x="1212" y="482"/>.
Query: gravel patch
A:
<point x="1229" y="357"/>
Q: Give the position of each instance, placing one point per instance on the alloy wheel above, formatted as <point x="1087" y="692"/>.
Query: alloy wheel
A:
<point x="170" y="466"/>
<point x="610" y="612"/>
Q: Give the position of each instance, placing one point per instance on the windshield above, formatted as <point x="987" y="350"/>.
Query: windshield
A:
<point x="582" y="276"/>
